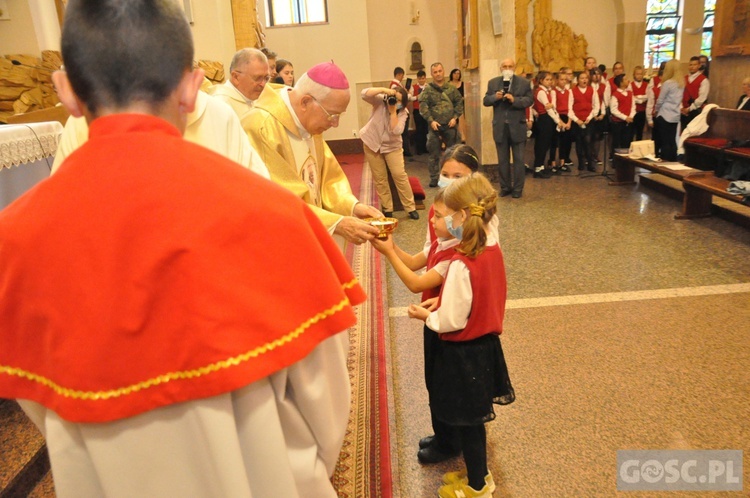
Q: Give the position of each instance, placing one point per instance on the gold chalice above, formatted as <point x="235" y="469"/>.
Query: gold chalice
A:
<point x="385" y="225"/>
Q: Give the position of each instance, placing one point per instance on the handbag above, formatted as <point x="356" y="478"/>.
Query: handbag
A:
<point x="641" y="148"/>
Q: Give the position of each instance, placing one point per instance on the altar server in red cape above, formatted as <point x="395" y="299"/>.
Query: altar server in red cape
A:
<point x="169" y="320"/>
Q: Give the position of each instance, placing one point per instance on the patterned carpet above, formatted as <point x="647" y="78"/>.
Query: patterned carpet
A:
<point x="364" y="466"/>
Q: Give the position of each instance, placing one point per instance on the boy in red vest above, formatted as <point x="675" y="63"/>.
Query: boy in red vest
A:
<point x="420" y="135"/>
<point x="697" y="87"/>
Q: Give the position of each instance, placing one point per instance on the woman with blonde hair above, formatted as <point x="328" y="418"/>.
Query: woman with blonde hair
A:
<point x="668" y="108"/>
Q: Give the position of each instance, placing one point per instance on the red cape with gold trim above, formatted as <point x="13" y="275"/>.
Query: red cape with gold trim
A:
<point x="150" y="271"/>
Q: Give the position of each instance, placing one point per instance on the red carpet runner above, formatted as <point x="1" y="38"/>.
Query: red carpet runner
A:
<point x="364" y="468"/>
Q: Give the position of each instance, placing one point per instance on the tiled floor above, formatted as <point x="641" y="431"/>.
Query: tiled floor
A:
<point x="626" y="329"/>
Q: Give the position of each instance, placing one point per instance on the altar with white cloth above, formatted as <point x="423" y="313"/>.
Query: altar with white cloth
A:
<point x="26" y="154"/>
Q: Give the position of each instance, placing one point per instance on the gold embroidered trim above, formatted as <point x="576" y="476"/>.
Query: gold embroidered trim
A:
<point x="185" y="374"/>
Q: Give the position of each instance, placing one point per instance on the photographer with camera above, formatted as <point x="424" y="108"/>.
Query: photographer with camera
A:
<point x="383" y="145"/>
<point x="441" y="105"/>
<point x="509" y="96"/>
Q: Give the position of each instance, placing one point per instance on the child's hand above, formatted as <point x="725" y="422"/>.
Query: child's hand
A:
<point x="383" y="246"/>
<point x="430" y="304"/>
<point x="416" y="311"/>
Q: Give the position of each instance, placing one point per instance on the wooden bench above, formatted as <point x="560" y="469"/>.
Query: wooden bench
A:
<point x="726" y="128"/>
<point x="699" y="191"/>
<point x="699" y="186"/>
<point x="704" y="155"/>
<point x="625" y="166"/>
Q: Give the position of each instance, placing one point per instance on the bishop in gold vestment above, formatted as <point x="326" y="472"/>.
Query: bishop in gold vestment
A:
<point x="285" y="128"/>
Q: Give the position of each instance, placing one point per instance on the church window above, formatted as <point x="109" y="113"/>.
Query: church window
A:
<point x="662" y="20"/>
<point x="709" y="10"/>
<point x="295" y="12"/>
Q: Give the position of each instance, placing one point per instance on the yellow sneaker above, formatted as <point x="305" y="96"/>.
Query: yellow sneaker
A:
<point x="459" y="476"/>
<point x="452" y="477"/>
<point x="463" y="490"/>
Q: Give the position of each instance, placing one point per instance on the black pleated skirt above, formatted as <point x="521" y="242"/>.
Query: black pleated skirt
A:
<point x="466" y="379"/>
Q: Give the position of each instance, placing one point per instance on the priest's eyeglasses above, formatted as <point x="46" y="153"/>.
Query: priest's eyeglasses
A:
<point x="258" y="79"/>
<point x="333" y="118"/>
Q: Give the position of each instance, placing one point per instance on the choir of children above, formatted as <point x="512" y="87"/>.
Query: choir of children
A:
<point x="585" y="107"/>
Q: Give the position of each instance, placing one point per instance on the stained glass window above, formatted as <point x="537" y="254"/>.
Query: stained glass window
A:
<point x="293" y="12"/>
<point x="661" y="31"/>
<point x="709" y="10"/>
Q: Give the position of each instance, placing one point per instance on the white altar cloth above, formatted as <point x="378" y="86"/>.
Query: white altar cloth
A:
<point x="26" y="153"/>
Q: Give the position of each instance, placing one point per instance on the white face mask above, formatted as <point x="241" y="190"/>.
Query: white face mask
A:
<point x="444" y="181"/>
<point x="507" y="74"/>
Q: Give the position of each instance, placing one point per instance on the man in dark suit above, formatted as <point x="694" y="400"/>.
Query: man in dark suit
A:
<point x="509" y="95"/>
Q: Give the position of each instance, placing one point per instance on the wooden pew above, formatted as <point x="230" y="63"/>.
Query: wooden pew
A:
<point x="699" y="190"/>
<point x="624" y="167"/>
<point x="726" y="128"/>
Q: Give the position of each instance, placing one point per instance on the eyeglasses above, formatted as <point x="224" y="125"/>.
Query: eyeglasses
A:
<point x="331" y="117"/>
<point x="259" y="79"/>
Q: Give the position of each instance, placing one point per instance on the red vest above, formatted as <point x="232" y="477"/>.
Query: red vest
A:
<point x="162" y="275"/>
<point x="489" y="291"/>
<point x="433" y="258"/>
<point x="430" y="228"/>
<point x="657" y="90"/>
<point x="600" y="92"/>
<point x="612" y="84"/>
<point x="417" y="91"/>
<point x="561" y="99"/>
<point x="538" y="106"/>
<point x="583" y="102"/>
<point x="639" y="91"/>
<point x="624" y="104"/>
<point x="692" y="89"/>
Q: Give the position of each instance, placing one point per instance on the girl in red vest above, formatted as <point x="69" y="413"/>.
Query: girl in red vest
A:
<point x="585" y="109"/>
<point x="622" y="107"/>
<point x="562" y="98"/>
<point x="443" y="444"/>
<point x="638" y="86"/>
<point x="652" y="95"/>
<point x="547" y="121"/>
<point x="470" y="373"/>
<point x="457" y="162"/>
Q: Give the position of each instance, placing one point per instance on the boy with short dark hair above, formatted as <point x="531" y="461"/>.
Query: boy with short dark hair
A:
<point x="140" y="327"/>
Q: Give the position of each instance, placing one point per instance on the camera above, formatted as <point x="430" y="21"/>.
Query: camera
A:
<point x="390" y="99"/>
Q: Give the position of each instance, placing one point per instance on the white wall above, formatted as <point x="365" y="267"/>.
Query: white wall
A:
<point x="391" y="34"/>
<point x="17" y="35"/>
<point x="213" y="30"/>
<point x="368" y="38"/>
<point x="344" y="40"/>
